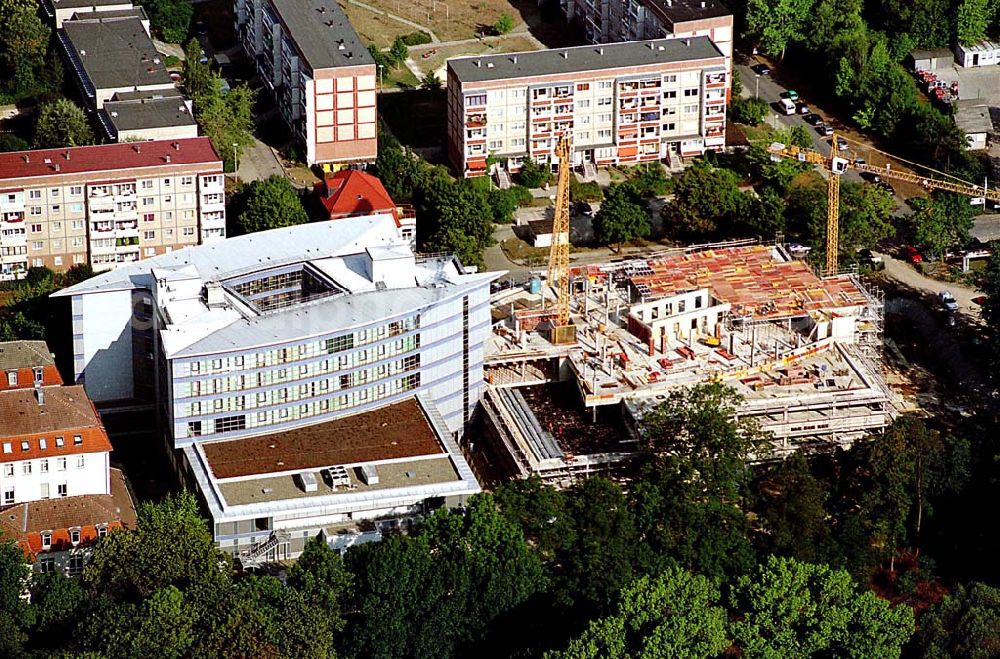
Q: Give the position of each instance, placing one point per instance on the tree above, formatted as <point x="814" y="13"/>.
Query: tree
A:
<point x="398" y="52"/>
<point x="533" y="175"/>
<point x="749" y="111"/>
<point x="777" y="23"/>
<point x="865" y="218"/>
<point x="602" y="553"/>
<point x="675" y="614"/>
<point x="227" y="120"/>
<point x="160" y="625"/>
<point x="198" y="79"/>
<point x="941" y="222"/>
<point x="453" y="216"/>
<point x="907" y="466"/>
<point x="706" y="199"/>
<point x="425" y="594"/>
<point x="504" y="24"/>
<point x="11" y="142"/>
<point x="431" y="81"/>
<point x="62" y="123"/>
<point x="792" y="509"/>
<point x="270" y="204"/>
<point x="170" y="546"/>
<point x="396" y="167"/>
<point x="319" y="575"/>
<point x="17" y="616"/>
<point x="623" y="216"/>
<point x="542" y="512"/>
<point x="171" y="18"/>
<point x="972" y="18"/>
<point x="963" y="624"/>
<point x="58" y="602"/>
<point x="790" y="609"/>
<point x="24" y="40"/>
<point x="690" y="499"/>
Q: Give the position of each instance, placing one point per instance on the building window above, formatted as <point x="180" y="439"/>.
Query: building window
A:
<point x="194" y="428"/>
<point x="43" y="466"/>
<point x="102" y="531"/>
<point x="76" y="190"/>
<point x="188" y="231"/>
<point x="26" y="468"/>
<point x="8" y="496"/>
<point x="147" y="201"/>
<point x="77" y="225"/>
<point x="60" y="442"/>
<point x="8" y="469"/>
<point x="61" y="464"/>
<point x="46" y="565"/>
<point x="148" y="217"/>
<point x="75" y="565"/>
<point x="46" y="539"/>
<point x="61" y="489"/>
<point x="79" y="462"/>
<point x="147" y="184"/>
<point x="36" y="228"/>
<point x="74" y="536"/>
<point x="45" y="490"/>
<point x="34" y="194"/>
<point x="12" y="378"/>
<point x="148" y="235"/>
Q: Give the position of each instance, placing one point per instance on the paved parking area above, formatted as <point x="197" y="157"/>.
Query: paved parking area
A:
<point x="975" y="82"/>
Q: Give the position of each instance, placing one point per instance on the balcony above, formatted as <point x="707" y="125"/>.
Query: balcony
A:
<point x="13" y="217"/>
<point x="101" y="247"/>
<point x="103" y="226"/>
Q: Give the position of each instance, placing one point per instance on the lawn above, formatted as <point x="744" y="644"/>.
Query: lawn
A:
<point x="431" y="57"/>
<point x="372" y="27"/>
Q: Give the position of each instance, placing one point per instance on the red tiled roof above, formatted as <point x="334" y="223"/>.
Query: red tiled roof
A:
<point x="67" y="412"/>
<point x="106" y="157"/>
<point x="352" y="192"/>
<point x="26" y="521"/>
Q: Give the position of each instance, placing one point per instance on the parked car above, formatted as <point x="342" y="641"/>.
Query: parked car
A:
<point x="802" y="108"/>
<point x="826" y="130"/>
<point x="813" y="119"/>
<point x="885" y="185"/>
<point x="790" y="94"/>
<point x="761" y="69"/>
<point x="841" y="143"/>
<point x="869" y="256"/>
<point x="911" y="254"/>
<point x="175" y="76"/>
<point x="948" y="301"/>
<point x="860" y="161"/>
<point x="798" y="250"/>
<point x="787" y="106"/>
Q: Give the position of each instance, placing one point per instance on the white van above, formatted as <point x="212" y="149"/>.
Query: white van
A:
<point x="787" y="105"/>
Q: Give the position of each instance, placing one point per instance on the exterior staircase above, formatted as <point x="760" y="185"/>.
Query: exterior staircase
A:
<point x="589" y="171"/>
<point x="503" y="178"/>
<point x="253" y="557"/>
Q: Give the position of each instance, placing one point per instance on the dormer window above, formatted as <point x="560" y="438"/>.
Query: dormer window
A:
<point x="77" y="440"/>
<point x="25" y="446"/>
<point x="74" y="536"/>
<point x="60" y="442"/>
<point x="46" y="539"/>
<point x="43" y="443"/>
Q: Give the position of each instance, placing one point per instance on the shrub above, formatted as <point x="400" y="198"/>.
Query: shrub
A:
<point x="417" y="38"/>
<point x="504" y="24"/>
<point x="533" y="175"/>
<point x="521" y="195"/>
<point x="589" y="191"/>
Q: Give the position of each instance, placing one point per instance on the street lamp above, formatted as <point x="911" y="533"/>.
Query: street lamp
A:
<point x="380" y="67"/>
<point x="236" y="161"/>
<point x="756" y="89"/>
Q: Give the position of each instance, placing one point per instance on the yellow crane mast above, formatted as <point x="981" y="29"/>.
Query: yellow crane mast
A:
<point x="558" y="274"/>
<point x="836" y="166"/>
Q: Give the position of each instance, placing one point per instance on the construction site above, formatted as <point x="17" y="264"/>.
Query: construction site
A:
<point x="804" y="352"/>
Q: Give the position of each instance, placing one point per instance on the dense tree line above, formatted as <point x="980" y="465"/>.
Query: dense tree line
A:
<point x="855" y="50"/>
<point x="454" y="216"/>
<point x="703" y="556"/>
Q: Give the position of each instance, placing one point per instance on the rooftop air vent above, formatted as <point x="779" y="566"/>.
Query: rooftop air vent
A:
<point x="114" y="114"/>
<point x="138" y="148"/>
<point x="513" y="59"/>
<point x="565" y="54"/>
<point x="176" y="145"/>
<point x="166" y="158"/>
<point x="489" y="65"/>
<point x="82" y="52"/>
<point x="27" y="158"/>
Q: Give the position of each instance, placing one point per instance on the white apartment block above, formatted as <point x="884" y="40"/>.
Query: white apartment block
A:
<point x="274" y="356"/>
<point x="321" y="74"/>
<point x="622" y="103"/>
<point x="108" y="205"/>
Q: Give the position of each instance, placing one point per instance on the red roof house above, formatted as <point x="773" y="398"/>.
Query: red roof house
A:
<point x="352" y="193"/>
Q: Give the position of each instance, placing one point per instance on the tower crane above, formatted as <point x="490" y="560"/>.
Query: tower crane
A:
<point x="837" y="165"/>
<point x="558" y="274"/>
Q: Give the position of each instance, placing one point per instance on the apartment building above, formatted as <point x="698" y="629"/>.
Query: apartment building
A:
<point x="62" y="10"/>
<point x="111" y="52"/>
<point x="59" y="493"/>
<point x="27" y="364"/>
<point x="136" y="116"/>
<point x="250" y="349"/>
<point x="606" y="21"/>
<point x="629" y="102"/>
<point x="321" y="74"/>
<point x="109" y="204"/>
